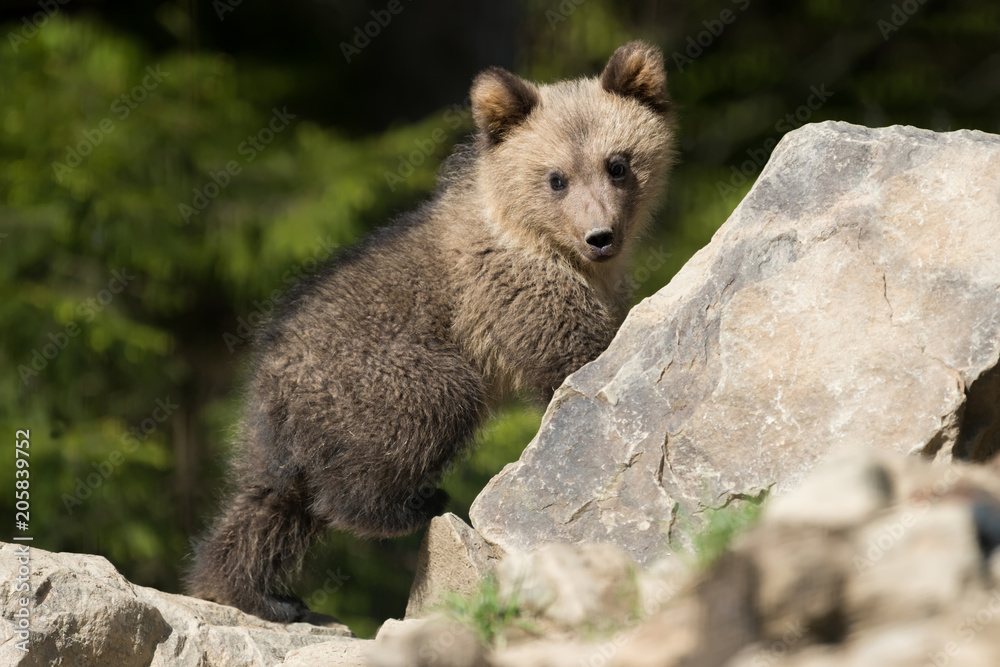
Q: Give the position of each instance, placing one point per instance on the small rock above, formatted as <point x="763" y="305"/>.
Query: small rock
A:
<point x="573" y="586"/>
<point x="453" y="558"/>
<point x="434" y="642"/>
<point x="393" y="628"/>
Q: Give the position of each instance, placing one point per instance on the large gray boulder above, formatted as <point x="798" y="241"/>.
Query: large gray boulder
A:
<point x="852" y="298"/>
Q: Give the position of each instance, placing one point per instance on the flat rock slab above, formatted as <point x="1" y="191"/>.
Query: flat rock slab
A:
<point x="853" y="298"/>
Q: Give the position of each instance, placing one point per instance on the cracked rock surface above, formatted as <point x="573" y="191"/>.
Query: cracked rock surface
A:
<point x="853" y="298"/>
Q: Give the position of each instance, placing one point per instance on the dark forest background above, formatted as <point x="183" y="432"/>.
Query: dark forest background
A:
<point x="149" y="222"/>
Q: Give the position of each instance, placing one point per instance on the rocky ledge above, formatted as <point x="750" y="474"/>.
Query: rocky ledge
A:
<point x="834" y="349"/>
<point x="84" y="612"/>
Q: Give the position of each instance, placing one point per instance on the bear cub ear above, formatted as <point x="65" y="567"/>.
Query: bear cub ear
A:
<point x="636" y="70"/>
<point x="500" y="102"/>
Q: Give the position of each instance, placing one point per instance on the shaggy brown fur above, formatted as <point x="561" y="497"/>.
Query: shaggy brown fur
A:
<point x="380" y="370"/>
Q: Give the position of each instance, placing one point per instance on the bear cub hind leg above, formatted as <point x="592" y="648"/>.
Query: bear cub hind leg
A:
<point x="251" y="551"/>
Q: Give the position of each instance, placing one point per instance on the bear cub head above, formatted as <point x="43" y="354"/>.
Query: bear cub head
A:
<point x="576" y="167"/>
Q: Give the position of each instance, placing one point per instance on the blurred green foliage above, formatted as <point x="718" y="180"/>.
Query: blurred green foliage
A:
<point x="719" y="528"/>
<point x="125" y="317"/>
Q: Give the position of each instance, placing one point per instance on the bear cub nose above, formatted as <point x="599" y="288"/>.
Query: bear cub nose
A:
<point x="600" y="238"/>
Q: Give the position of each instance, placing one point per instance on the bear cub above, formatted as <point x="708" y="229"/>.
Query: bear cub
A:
<point x="379" y="370"/>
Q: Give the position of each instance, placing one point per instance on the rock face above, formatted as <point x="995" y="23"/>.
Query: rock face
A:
<point x="852" y="298"/>
<point x="83" y="612"/>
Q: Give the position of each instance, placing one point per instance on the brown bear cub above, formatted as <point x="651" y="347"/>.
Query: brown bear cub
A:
<point x="379" y="371"/>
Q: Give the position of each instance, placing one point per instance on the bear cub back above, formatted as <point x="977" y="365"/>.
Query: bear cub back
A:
<point x="379" y="371"/>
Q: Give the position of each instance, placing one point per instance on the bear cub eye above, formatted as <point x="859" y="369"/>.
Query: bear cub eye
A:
<point x="617" y="169"/>
<point x="557" y="182"/>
